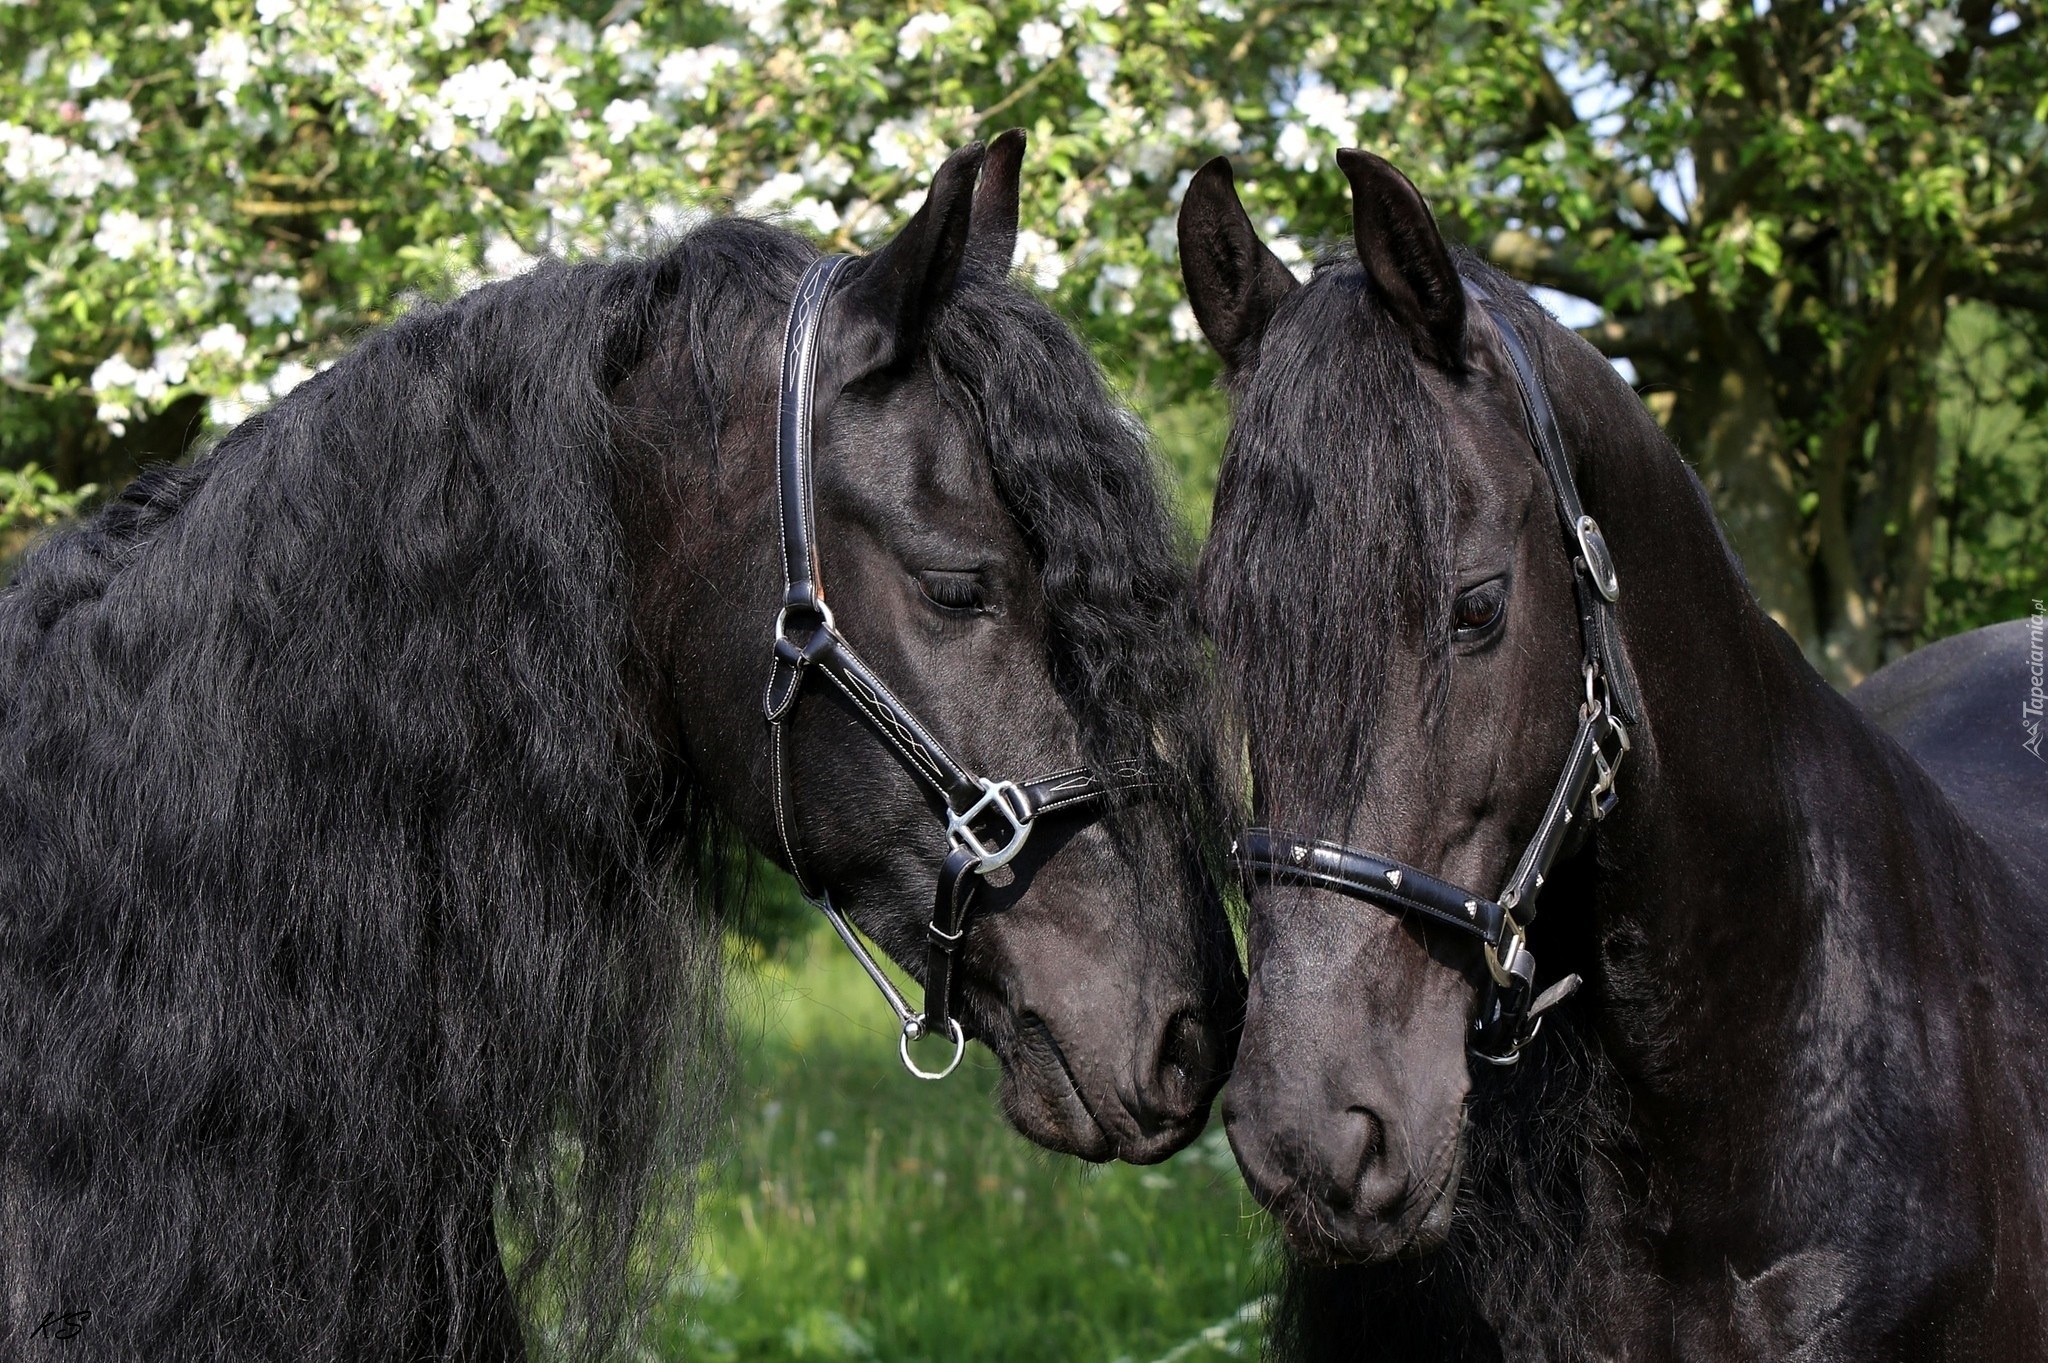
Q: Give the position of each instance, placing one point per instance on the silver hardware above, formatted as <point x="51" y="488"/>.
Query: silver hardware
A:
<point x="1599" y="562"/>
<point x="1300" y="855"/>
<point x="912" y="1030"/>
<point x="1394" y="877"/>
<point x="1514" y="1054"/>
<point x="912" y="1022"/>
<point x="1472" y="909"/>
<point x="1608" y="768"/>
<point x="1513" y="964"/>
<point x="960" y="827"/>
<point x="825" y="619"/>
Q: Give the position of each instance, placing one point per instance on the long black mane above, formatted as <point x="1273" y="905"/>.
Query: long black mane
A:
<point x="353" y="917"/>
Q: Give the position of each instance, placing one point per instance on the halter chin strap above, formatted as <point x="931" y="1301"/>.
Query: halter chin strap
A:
<point x="987" y="822"/>
<point x="1510" y="1013"/>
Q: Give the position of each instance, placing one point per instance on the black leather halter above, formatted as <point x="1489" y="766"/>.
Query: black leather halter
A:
<point x="1508" y="1017"/>
<point x="987" y="822"/>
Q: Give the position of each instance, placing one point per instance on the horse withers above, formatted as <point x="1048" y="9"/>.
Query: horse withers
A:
<point x="371" y="790"/>
<point x="1493" y="656"/>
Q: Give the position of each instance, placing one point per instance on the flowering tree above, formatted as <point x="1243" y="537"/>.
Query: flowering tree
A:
<point x="203" y="204"/>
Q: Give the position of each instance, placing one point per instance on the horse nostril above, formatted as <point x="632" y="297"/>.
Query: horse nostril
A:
<point x="1358" y="1161"/>
<point x="1182" y="1070"/>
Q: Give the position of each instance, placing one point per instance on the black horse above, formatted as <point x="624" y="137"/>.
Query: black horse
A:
<point x="373" y="790"/>
<point x="1800" y="1107"/>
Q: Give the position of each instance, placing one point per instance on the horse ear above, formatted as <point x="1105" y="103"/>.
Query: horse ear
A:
<point x="1405" y="257"/>
<point x="892" y="294"/>
<point x="1234" y="282"/>
<point x="992" y="232"/>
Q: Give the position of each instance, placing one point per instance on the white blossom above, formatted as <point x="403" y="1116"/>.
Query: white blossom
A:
<point x="687" y="74"/>
<point x="17" y="343"/>
<point x="827" y="171"/>
<point x="917" y="31"/>
<point x="1039" y="257"/>
<point x="389" y="77"/>
<point x="1293" y="148"/>
<point x="1712" y="11"/>
<point x="172" y="362"/>
<point x="817" y="214"/>
<point x="1181" y="322"/>
<point x="110" y="122"/>
<point x="623" y="116"/>
<point x="1163" y="237"/>
<point x="1937" y="33"/>
<point x="270" y="11"/>
<point x="1289" y="253"/>
<point x="121" y="234"/>
<point x="1098" y="65"/>
<point x="453" y="22"/>
<point x="225" y="340"/>
<point x="39" y="219"/>
<point x="1220" y="126"/>
<point x="1842" y="125"/>
<point x="227" y="61"/>
<point x="772" y="193"/>
<point x="763" y="17"/>
<point x="271" y="298"/>
<point x="289" y="375"/>
<point x="1112" y="292"/>
<point x="113" y="373"/>
<point x="696" y="146"/>
<point x="1222" y="10"/>
<point x="907" y="144"/>
<point x="1040" y="42"/>
<point x="87" y="71"/>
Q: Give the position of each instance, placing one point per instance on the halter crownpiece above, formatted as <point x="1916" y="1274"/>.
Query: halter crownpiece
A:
<point x="987" y="822"/>
<point x="1509" y="1017"/>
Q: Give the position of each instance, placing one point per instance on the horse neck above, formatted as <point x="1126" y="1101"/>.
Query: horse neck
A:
<point x="1783" y="897"/>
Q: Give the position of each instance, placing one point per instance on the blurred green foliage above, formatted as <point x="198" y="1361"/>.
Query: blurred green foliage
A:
<point x="861" y="1214"/>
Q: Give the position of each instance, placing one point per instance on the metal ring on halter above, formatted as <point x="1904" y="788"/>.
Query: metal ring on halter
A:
<point x="913" y="1029"/>
<point x="1514" y="1051"/>
<point x="960" y="827"/>
<point x="824" y="613"/>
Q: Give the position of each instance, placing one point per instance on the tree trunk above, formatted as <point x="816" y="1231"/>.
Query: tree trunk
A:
<point x="1727" y="419"/>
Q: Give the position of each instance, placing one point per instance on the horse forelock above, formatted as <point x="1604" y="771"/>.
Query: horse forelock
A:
<point x="1331" y="540"/>
<point x="1075" y="470"/>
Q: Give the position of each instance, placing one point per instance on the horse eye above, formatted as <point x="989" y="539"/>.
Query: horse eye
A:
<point x="953" y="591"/>
<point x="1480" y="609"/>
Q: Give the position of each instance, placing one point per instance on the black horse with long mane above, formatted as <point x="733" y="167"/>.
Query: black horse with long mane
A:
<point x="1799" y="1108"/>
<point x="373" y="790"/>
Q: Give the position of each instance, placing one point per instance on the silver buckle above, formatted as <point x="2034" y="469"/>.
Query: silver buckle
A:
<point x="1503" y="968"/>
<point x="960" y="827"/>
<point x="1599" y="562"/>
<point x="1608" y="768"/>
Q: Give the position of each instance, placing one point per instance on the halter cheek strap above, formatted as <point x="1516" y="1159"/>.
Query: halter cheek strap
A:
<point x="1509" y="1011"/>
<point x="987" y="822"/>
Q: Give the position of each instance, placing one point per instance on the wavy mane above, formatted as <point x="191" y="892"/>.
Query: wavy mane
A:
<point x="340" y="872"/>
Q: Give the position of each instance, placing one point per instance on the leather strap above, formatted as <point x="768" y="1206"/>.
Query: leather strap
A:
<point x="987" y="822"/>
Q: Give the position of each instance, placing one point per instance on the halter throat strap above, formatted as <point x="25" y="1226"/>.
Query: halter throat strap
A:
<point x="1510" y="1012"/>
<point x="987" y="821"/>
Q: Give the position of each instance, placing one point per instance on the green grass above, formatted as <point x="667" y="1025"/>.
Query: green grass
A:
<point x="860" y="1213"/>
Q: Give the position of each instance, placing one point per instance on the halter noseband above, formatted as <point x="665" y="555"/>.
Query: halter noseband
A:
<point x="987" y="822"/>
<point x="1508" y="1017"/>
